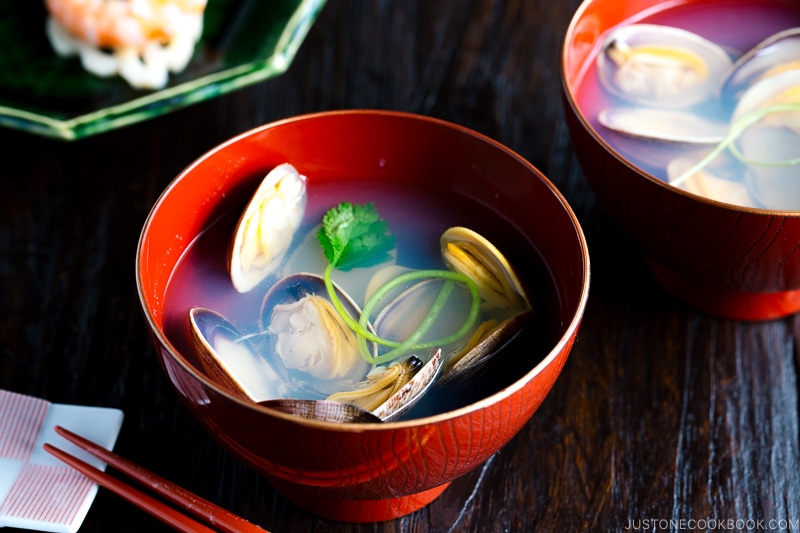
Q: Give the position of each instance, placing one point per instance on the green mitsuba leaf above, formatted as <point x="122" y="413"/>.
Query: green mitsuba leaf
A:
<point x="354" y="235"/>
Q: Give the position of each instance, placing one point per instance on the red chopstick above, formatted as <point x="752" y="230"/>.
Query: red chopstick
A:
<point x="203" y="509"/>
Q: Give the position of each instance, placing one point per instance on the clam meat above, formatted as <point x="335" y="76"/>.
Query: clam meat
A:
<point x="469" y="253"/>
<point x="308" y="339"/>
<point x="380" y="383"/>
<point x="402" y="400"/>
<point x="392" y="390"/>
<point x="267" y="227"/>
<point x="660" y="66"/>
<point x="311" y="338"/>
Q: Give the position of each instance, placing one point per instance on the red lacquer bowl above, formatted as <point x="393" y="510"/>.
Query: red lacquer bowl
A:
<point x="733" y="262"/>
<point x="373" y="472"/>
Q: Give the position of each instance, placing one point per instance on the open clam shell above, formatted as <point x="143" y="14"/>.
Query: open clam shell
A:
<point x="660" y="66"/>
<point x="468" y="252"/>
<point x="775" y="186"/>
<point x="324" y="410"/>
<point x="663" y="125"/>
<point x="412" y="392"/>
<point x="307" y="339"/>
<point x="381" y="382"/>
<point x="783" y="88"/>
<point x="776" y="54"/>
<point x="464" y="368"/>
<point x="230" y="359"/>
<point x="402" y="313"/>
<point x="711" y="182"/>
<point x="267" y="227"/>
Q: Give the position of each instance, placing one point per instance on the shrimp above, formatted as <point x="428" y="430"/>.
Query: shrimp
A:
<point x="141" y="40"/>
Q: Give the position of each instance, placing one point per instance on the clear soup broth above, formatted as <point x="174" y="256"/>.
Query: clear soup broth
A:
<point x="416" y="216"/>
<point x="755" y="167"/>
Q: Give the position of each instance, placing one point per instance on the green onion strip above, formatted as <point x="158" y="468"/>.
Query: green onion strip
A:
<point x="411" y="343"/>
<point x="728" y="142"/>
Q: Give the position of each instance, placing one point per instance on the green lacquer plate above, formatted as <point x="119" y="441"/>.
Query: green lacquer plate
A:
<point x="244" y="42"/>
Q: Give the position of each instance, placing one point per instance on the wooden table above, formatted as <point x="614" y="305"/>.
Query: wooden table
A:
<point x="661" y="414"/>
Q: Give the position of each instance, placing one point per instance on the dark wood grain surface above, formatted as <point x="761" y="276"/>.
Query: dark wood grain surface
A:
<point x="661" y="413"/>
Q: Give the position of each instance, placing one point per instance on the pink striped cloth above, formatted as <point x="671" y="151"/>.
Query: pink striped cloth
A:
<point x="36" y="490"/>
<point x="21" y="418"/>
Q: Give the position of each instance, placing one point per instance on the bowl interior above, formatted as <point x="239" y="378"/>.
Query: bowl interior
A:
<point x="435" y="166"/>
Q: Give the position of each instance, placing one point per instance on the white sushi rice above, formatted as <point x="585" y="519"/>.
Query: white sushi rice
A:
<point x="146" y="70"/>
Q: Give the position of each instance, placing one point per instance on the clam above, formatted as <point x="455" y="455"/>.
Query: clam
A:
<point x="770" y="143"/>
<point x="663" y="125"/>
<point x="392" y="390"/>
<point x="660" y="66"/>
<point x="380" y="383"/>
<point x="308" y="339"/>
<point x="774" y="55"/>
<point x="412" y="392"/>
<point x="504" y="307"/>
<point x="320" y="353"/>
<point x="231" y="359"/>
<point x="467" y="252"/>
<point x="382" y="276"/>
<point x="327" y="411"/>
<point x="710" y="183"/>
<point x="402" y="314"/>
<point x="267" y="227"/>
<point x="505" y="304"/>
<point x="778" y="90"/>
<point x="773" y="156"/>
<point x="463" y="367"/>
